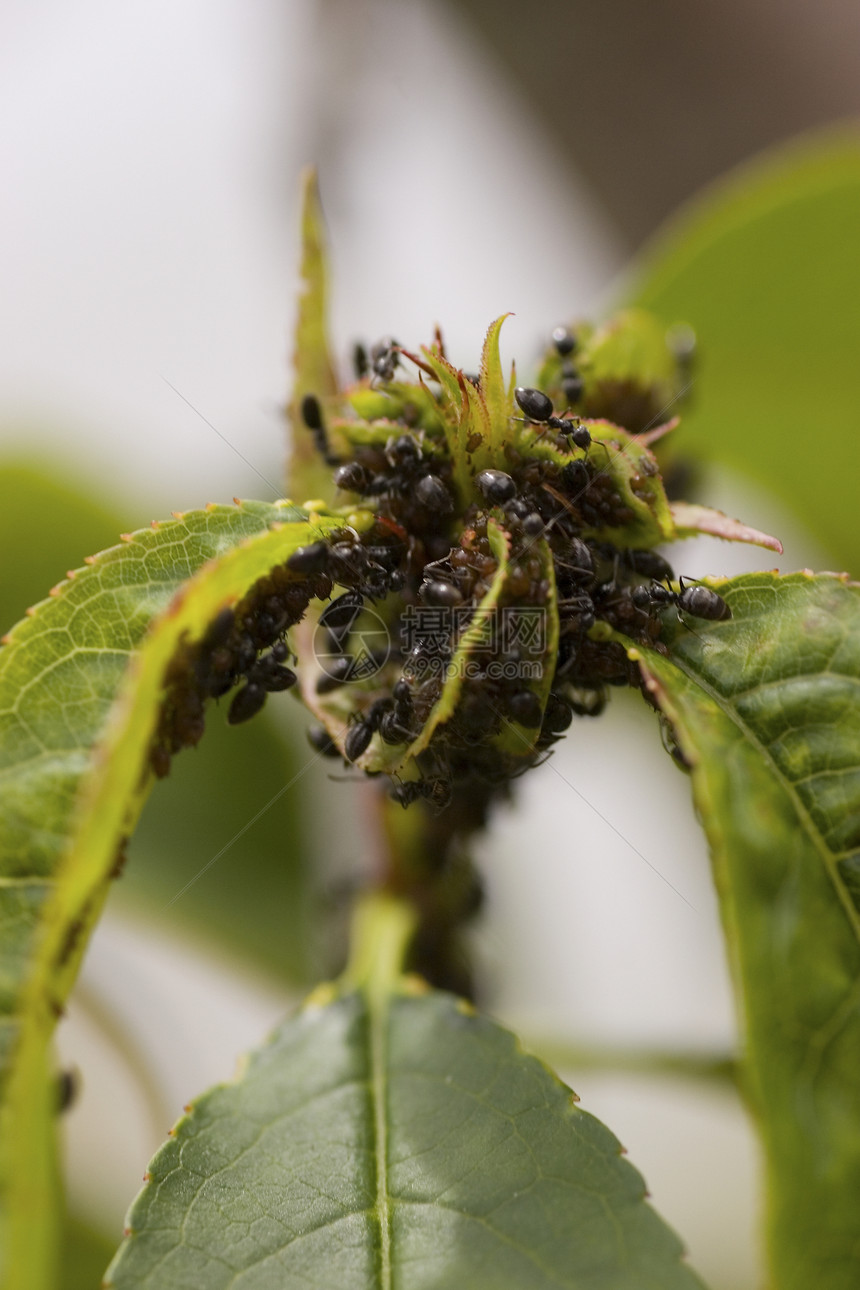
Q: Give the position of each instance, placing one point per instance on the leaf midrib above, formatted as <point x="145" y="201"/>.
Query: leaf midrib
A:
<point x="378" y="1008"/>
<point x="803" y="815"/>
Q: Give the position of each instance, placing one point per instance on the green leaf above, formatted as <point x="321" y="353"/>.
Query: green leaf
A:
<point x="765" y="707"/>
<point x="766" y="268"/>
<point x="76" y="722"/>
<point x="253" y="899"/>
<point x="313" y="368"/>
<point x="493" y="388"/>
<point x="389" y="1136"/>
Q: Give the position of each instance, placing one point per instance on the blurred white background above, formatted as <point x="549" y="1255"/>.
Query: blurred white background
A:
<point x="151" y="155"/>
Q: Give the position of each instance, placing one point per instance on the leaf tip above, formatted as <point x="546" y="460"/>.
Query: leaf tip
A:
<point x="237" y="501"/>
<point x="155" y="524"/>
<point x="89" y="559"/>
<point x="125" y="537"/>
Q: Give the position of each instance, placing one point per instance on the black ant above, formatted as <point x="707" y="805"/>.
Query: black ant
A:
<point x="359" y="360"/>
<point x="538" y="408"/>
<point x="384" y="358"/>
<point x="649" y="563"/>
<point x="696" y="600"/>
<point x="312" y="416"/>
<point x="364" y="727"/>
<point x="68" y="1083"/>
<point x="436" y="792"/>
<point x="670" y="743"/>
<point x="571" y="382"/>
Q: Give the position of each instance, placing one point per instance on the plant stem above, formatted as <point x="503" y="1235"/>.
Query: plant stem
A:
<point x="382" y="928"/>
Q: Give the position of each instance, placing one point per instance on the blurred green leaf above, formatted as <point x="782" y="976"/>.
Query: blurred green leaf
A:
<point x="394" y="1139"/>
<point x="765" y="708"/>
<point x="46" y="527"/>
<point x="253" y="898"/>
<point x="85" y="1255"/>
<point x="766" y="268"/>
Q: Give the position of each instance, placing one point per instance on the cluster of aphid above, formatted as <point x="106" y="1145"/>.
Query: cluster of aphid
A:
<point x="245" y="647"/>
<point x="432" y="553"/>
<point x="434" y="556"/>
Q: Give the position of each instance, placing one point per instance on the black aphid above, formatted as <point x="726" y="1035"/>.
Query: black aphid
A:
<point x="432" y="493"/>
<point x="247" y="702"/>
<point x="310" y="559"/>
<point x="338" y="672"/>
<point x="525" y="708"/>
<point x="496" y="486"/>
<point x="351" y="477"/>
<point x="320" y="739"/>
<point x="436" y="592"/>
<point x="340" y="616"/>
<point x="357" y="739"/>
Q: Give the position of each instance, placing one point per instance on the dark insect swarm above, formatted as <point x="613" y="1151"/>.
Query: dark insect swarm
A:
<point x="547" y="526"/>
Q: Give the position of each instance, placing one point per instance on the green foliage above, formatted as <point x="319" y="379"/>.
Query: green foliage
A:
<point x="254" y="900"/>
<point x="389" y="1136"/>
<point x="84" y="1256"/>
<point x="312" y="363"/>
<point x="61" y="672"/>
<point x="76" y="722"/>
<point x="766" y="268"/>
<point x="50" y="525"/>
<point x="765" y="708"/>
